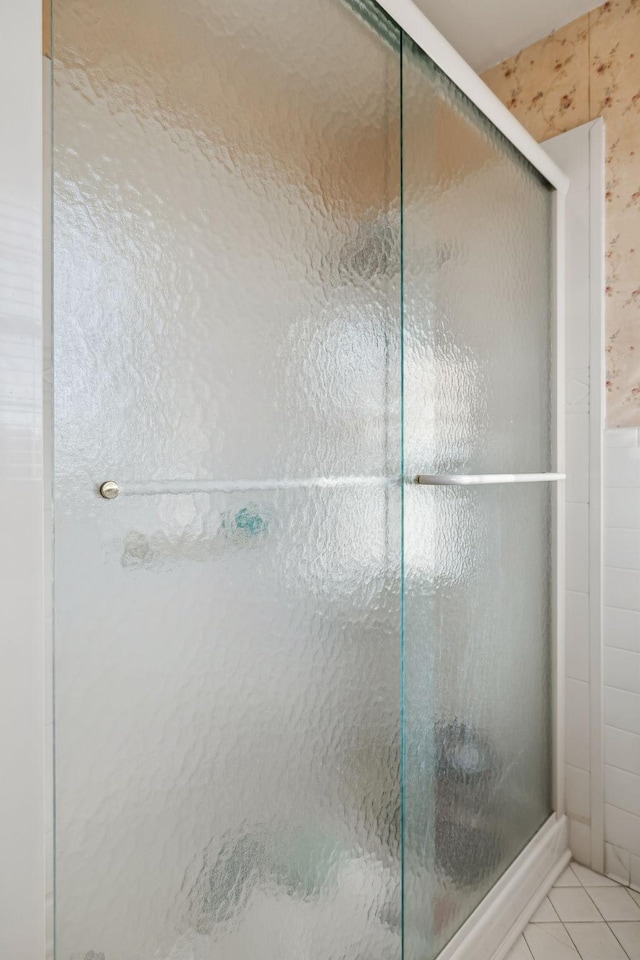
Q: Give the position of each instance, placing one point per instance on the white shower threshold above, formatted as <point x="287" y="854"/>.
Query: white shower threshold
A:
<point x="495" y="925"/>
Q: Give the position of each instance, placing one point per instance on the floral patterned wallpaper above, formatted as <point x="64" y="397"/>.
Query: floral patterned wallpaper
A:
<point x="587" y="69"/>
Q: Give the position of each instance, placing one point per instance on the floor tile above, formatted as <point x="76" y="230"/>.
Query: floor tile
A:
<point x="635" y="895"/>
<point x="614" y="903"/>
<point x="574" y="905"/>
<point x="588" y="878"/>
<point x="520" y="950"/>
<point x="550" y="941"/>
<point x="545" y="913"/>
<point x="567" y="879"/>
<point x="595" y="941"/>
<point x="629" y="936"/>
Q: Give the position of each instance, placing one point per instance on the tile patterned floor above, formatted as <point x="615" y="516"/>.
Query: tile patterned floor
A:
<point x="585" y="917"/>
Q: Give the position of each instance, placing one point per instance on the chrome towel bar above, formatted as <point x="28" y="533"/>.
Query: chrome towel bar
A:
<point x="471" y="480"/>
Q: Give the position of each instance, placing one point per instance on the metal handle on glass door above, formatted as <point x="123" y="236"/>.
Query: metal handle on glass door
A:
<point x="109" y="489"/>
<point x="469" y="480"/>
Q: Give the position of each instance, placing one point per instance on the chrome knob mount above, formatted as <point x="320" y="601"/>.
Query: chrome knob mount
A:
<point x="109" y="489"/>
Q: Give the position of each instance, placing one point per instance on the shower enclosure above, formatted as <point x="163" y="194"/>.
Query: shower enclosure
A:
<point x="304" y="488"/>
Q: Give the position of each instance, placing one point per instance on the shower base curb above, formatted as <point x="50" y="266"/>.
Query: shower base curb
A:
<point x="495" y="925"/>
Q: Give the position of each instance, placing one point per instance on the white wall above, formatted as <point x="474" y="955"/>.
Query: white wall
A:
<point x="622" y="655"/>
<point x="580" y="153"/>
<point x="22" y="882"/>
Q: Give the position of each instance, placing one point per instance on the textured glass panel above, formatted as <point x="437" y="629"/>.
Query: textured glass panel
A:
<point x="227" y="320"/>
<point x="477" y="269"/>
<point x="476" y="256"/>
<point x="477" y="684"/>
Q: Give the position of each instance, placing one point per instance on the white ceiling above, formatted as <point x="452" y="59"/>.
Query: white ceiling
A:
<point x="487" y="31"/>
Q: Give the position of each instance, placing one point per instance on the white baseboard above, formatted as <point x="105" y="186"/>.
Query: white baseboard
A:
<point x="495" y="925"/>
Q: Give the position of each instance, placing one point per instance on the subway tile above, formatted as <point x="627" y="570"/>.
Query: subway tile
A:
<point x="616" y="863"/>
<point x="622" y="829"/>
<point x="621" y="588"/>
<point x="577" y="453"/>
<point x="577" y="547"/>
<point x="577" y="635"/>
<point x="622" y="466"/>
<point x="577" y="783"/>
<point x="622" y="548"/>
<point x="577" y="746"/>
<point x="621" y="437"/>
<point x="622" y="669"/>
<point x="622" y="710"/>
<point x="622" y="508"/>
<point x="622" y="789"/>
<point x="621" y="628"/>
<point x="622" y="749"/>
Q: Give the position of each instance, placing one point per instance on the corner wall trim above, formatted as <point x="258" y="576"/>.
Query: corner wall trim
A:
<point x="597" y="397"/>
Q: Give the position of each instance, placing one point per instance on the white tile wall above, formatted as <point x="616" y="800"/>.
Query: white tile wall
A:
<point x="622" y="709"/>
<point x="622" y="749"/>
<point x="622" y="829"/>
<point x="622" y="654"/>
<point x="621" y="586"/>
<point x="621" y="627"/>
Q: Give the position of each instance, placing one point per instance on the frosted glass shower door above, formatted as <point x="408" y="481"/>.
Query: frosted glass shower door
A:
<point x="477" y="249"/>
<point x="227" y="349"/>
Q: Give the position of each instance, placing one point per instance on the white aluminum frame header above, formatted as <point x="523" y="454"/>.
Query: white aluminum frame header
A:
<point x="421" y="30"/>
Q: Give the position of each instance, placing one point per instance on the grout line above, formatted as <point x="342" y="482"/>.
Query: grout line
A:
<point x="524" y="940"/>
<point x="595" y="905"/>
<point x="614" y="933"/>
<point x="622" y="730"/>
<point x="614" y="766"/>
<point x="611" y="686"/>
<point x="629" y="813"/>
